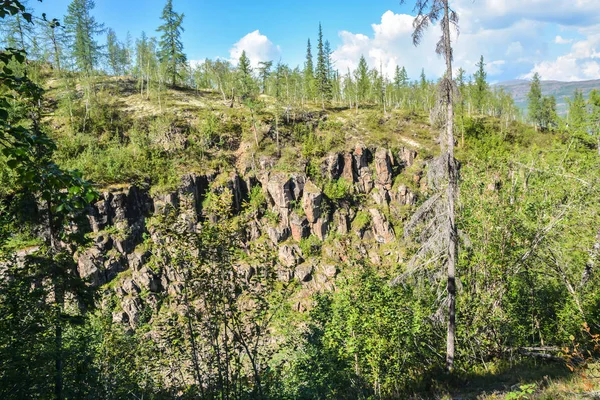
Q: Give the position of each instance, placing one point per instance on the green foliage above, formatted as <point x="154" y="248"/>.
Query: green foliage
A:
<point x="311" y="246"/>
<point x="339" y="189"/>
<point x="361" y="220"/>
<point x="525" y="392"/>
<point x="82" y="28"/>
<point x="170" y="45"/>
<point x="361" y="342"/>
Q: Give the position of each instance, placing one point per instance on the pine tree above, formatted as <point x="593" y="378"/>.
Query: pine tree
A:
<point x="82" y="29"/>
<point x="309" y="73"/>
<point x="534" y="99"/>
<point x="322" y="72"/>
<point x="170" y="45"/>
<point x="481" y="86"/>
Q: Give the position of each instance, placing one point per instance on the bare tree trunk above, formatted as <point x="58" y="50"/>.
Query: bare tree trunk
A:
<point x="452" y="194"/>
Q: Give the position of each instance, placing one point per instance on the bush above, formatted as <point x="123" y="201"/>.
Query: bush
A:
<point x="310" y="246"/>
<point x="339" y="189"/>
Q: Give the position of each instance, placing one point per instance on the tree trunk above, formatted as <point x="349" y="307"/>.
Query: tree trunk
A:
<point x="451" y="193"/>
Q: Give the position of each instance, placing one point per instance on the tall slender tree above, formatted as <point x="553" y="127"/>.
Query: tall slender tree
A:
<point x="363" y="83"/>
<point x="244" y="77"/>
<point x="170" y="45"/>
<point x="481" y="86"/>
<point x="82" y="30"/>
<point x="534" y="99"/>
<point x="309" y="73"/>
<point x="116" y="53"/>
<point x="322" y="71"/>
<point x="429" y="12"/>
<point x="264" y="71"/>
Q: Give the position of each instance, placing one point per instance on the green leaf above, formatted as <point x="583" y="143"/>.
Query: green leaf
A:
<point x="12" y="163"/>
<point x="90" y="196"/>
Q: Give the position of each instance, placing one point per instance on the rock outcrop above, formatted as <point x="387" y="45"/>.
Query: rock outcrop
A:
<point x="118" y="219"/>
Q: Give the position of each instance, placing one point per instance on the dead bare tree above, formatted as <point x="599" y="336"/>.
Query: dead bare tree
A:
<point x="429" y="12"/>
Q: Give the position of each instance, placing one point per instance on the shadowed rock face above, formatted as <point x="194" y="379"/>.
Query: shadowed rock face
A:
<point x="119" y="219"/>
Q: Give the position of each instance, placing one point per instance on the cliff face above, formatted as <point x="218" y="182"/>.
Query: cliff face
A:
<point x="378" y="186"/>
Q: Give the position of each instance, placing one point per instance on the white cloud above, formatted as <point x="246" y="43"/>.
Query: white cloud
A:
<point x="581" y="63"/>
<point x="390" y="44"/>
<point x="560" y="40"/>
<point x="258" y="48"/>
<point x="512" y="35"/>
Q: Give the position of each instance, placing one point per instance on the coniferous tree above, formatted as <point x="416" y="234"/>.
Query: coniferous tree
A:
<point x="481" y="87"/>
<point x="363" y="83"/>
<point x="244" y="78"/>
<point x="170" y="45"/>
<point x="115" y="54"/>
<point x="578" y="115"/>
<point x="17" y="32"/>
<point x="534" y="99"/>
<point x="82" y="29"/>
<point x="264" y="71"/>
<point x="322" y="71"/>
<point x="548" y="117"/>
<point x="309" y="73"/>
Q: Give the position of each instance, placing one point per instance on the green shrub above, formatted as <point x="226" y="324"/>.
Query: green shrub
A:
<point x="310" y="246"/>
<point x="339" y="189"/>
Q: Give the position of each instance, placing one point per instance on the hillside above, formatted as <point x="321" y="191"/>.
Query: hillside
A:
<point x="519" y="88"/>
<point x="286" y="224"/>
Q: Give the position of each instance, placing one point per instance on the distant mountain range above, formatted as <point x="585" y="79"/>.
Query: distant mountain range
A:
<point x="561" y="90"/>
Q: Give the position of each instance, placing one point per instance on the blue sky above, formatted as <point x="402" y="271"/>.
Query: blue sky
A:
<point x="560" y="39"/>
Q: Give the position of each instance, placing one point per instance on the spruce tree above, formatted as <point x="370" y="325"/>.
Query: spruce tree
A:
<point x="400" y="77"/>
<point x="82" y="29"/>
<point x="309" y="73"/>
<point x="481" y="86"/>
<point x="534" y="99"/>
<point x="170" y="45"/>
<point x="322" y="72"/>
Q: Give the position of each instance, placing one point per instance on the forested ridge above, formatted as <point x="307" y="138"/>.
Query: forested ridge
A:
<point x="224" y="230"/>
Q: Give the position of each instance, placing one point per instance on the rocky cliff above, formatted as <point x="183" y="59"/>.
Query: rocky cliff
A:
<point x="358" y="199"/>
